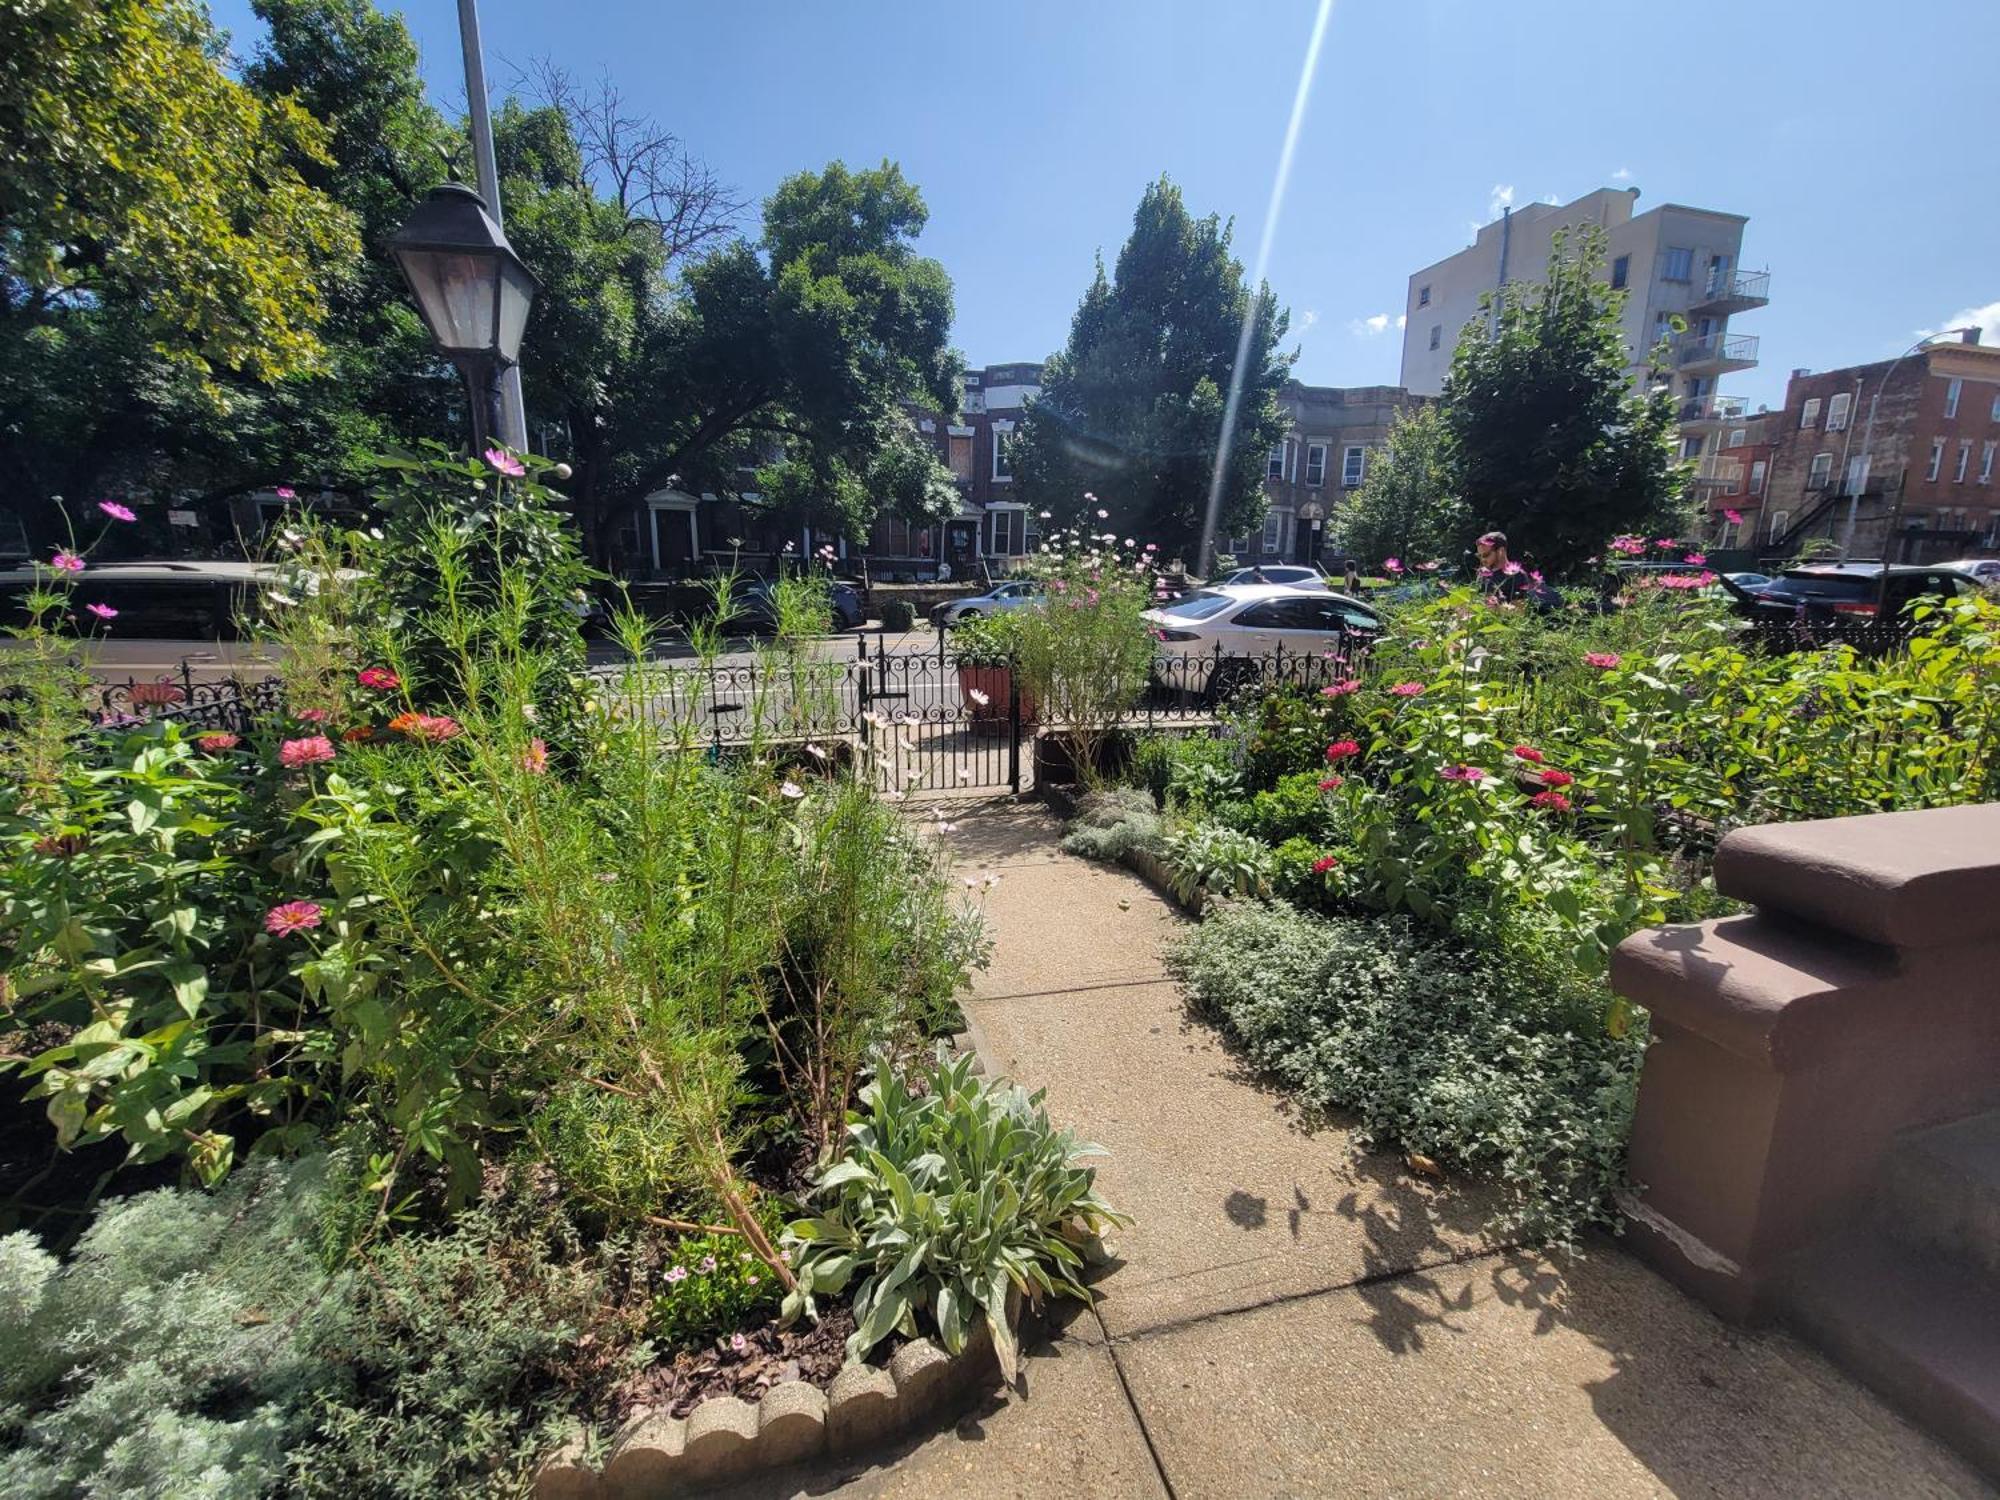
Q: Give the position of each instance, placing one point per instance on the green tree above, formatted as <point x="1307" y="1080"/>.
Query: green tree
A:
<point x="1132" y="409"/>
<point x="1408" y="507"/>
<point x="1548" y="439"/>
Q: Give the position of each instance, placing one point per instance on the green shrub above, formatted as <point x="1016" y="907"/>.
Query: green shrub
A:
<point x="1435" y="1049"/>
<point x="898" y="615"/>
<point x="986" y="640"/>
<point x="1111" y="824"/>
<point x="1295" y="808"/>
<point x="1218" y="859"/>
<point x="945" y="1202"/>
<point x="711" y="1286"/>
<point x="1286" y="731"/>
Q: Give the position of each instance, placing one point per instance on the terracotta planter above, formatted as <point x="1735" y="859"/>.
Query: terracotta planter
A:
<point x="996" y="684"/>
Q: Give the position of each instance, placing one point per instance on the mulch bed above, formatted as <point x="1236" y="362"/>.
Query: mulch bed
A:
<point x="806" y="1352"/>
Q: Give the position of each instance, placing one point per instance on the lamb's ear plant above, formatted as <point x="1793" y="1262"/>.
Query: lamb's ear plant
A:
<point x="949" y="1199"/>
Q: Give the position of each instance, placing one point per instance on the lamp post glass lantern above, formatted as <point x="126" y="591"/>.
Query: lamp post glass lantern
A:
<point x="473" y="291"/>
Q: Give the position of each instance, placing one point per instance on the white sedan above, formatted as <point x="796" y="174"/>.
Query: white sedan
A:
<point x="1215" y="640"/>
<point x="1292" y="576"/>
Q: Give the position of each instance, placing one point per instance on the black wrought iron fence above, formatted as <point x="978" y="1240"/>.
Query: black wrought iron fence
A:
<point x="231" y="703"/>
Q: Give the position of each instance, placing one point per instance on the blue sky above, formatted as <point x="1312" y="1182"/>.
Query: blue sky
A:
<point x="1856" y="136"/>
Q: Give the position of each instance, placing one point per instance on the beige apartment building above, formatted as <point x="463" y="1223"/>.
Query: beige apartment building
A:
<point x="1672" y="262"/>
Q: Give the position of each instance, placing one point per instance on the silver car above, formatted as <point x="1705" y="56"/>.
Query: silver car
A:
<point x="1284" y="575"/>
<point x="1002" y="597"/>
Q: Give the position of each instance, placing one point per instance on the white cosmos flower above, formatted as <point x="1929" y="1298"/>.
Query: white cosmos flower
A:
<point x="791" y="789"/>
<point x="1104" y="515"/>
<point x="816" y="752"/>
<point x="977" y="697"/>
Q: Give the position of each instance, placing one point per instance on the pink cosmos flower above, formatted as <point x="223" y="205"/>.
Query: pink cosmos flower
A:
<point x="216" y="741"/>
<point x="66" y="561"/>
<point x="1529" y="753"/>
<point x="1331" y="783"/>
<point x="1630" y="546"/>
<point x="1341" y="749"/>
<point x="1392" y="565"/>
<point x="102" y="611"/>
<point x="1733" y="517"/>
<point x="707" y="1264"/>
<point x="1556" y="778"/>
<point x="116" y="511"/>
<point x="738" y="1343"/>
<point x="1406" y="690"/>
<point x="378" y="677"/>
<point x="1462" y="773"/>
<point x="1604" y="661"/>
<point x="314" y="715"/>
<point x="678" y="1273"/>
<point x="506" y="463"/>
<point x="535" y="759"/>
<point x="1665" y="541"/>
<point x="290" y="917"/>
<point x="1550" y="802"/>
<point x="1324" y="863"/>
<point x="285" y="492"/>
<point x="313" y="750"/>
<point x="1342" y="688"/>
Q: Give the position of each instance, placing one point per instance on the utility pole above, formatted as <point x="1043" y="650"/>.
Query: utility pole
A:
<point x="512" y="411"/>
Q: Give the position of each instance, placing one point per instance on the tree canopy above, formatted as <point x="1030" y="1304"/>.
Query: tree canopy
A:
<point x="1408" y="507"/>
<point x="1131" y="411"/>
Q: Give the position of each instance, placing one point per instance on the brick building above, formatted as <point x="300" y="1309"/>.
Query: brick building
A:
<point x="1922" y="486"/>
<point x="1734" y="479"/>
<point x="1335" y="431"/>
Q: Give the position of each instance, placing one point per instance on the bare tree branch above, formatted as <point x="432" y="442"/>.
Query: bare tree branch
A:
<point x="637" y="162"/>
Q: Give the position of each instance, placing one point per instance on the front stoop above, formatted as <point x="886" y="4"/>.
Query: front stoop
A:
<point x="1909" y="1300"/>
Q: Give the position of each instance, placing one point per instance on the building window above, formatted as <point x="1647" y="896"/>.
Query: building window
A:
<point x="1757" y="477"/>
<point x="1937" y="459"/>
<point x="1779" y="519"/>
<point x="1952" y="388"/>
<point x="1007" y="532"/>
<point x="1677" y="264"/>
<point x="1274" y="531"/>
<point x="1736" y="435"/>
<point x="1836" y="411"/>
<point x="1353" y="466"/>
<point x="1809" y="414"/>
<point x="1274" y="465"/>
<point x="1690" y="447"/>
<point x="1996" y="407"/>
<point x="1964" y="460"/>
<point x="1003" y="460"/>
<point x="1316" y="465"/>
<point x="1729" y="534"/>
<point x="958" y="454"/>
<point x="1986" y="463"/>
<point x="1437" y="334"/>
<point x="1621" y="270"/>
<point x="1822" y="470"/>
<point x="1423" y="296"/>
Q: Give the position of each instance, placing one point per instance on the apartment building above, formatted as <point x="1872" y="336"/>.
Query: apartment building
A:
<point x="1334" y="435"/>
<point x="1920" y="482"/>
<point x="1674" y="263"/>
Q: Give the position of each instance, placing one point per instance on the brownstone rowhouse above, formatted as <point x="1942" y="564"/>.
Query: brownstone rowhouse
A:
<point x="1921" y="484"/>
<point x="1334" y="436"/>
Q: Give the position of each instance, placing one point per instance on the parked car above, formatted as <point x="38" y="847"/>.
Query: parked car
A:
<point x="996" y="600"/>
<point x="1847" y="594"/>
<point x="172" y="599"/>
<point x="1292" y="577"/>
<point x="1214" y="640"/>
<point x="1981" y="570"/>
<point x="756" y="611"/>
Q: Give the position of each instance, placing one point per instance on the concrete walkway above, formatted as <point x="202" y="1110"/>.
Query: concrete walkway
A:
<point x="1294" y="1318"/>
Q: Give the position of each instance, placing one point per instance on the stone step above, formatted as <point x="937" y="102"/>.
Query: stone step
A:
<point x="1941" y="1188"/>
<point x="1919" y="1326"/>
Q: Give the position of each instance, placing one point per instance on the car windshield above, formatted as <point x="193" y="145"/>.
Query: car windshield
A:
<point x="1198" y="606"/>
<point x="1815" y="586"/>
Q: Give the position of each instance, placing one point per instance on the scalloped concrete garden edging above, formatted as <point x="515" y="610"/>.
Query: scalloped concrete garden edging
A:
<point x="725" y="1438"/>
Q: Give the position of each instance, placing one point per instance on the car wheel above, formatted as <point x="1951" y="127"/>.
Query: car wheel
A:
<point x="1231" y="677"/>
<point x="964" y="615"/>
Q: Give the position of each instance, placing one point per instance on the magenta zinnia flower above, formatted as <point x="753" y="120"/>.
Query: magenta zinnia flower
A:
<point x="116" y="511"/>
<point x="1733" y="517"/>
<point x="291" y="917"/>
<point x="1462" y="773"/>
<point x="1695" y="559"/>
<point x="216" y="741"/>
<point x="1341" y="749"/>
<point x="1324" y="863"/>
<point x="1342" y="688"/>
<point x="66" y="561"/>
<point x="313" y="750"/>
<point x="505" y="462"/>
<point x="1604" y="661"/>
<point x="1406" y="690"/>
<point x="1331" y="784"/>
<point x="1529" y="752"/>
<point x="1550" y="802"/>
<point x="378" y="677"/>
<point x="1554" y="777"/>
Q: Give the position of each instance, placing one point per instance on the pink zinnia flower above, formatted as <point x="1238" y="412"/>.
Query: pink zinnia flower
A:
<point x="313" y="750"/>
<point x="291" y="917"/>
<point x="506" y="463"/>
<point x="1630" y="546"/>
<point x="102" y="611"/>
<point x="535" y="759"/>
<point x="1462" y="773"/>
<point x="1392" y="565"/>
<point x="66" y="561"/>
<point x="1406" y="690"/>
<point x="1602" y="660"/>
<point x="116" y="511"/>
<point x="1733" y="517"/>
<point x="1342" y="688"/>
<point x="378" y="677"/>
<point x="1550" y="802"/>
<point x="285" y="492"/>
<point x="1331" y="784"/>
<point x="314" y="715"/>
<point x="216" y="741"/>
<point x="1529" y="752"/>
<point x="1695" y="559"/>
<point x="1554" y="777"/>
<point x="1324" y="863"/>
<point x="1341" y="749"/>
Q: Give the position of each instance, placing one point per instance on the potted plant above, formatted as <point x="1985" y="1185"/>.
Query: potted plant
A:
<point x="984" y="649"/>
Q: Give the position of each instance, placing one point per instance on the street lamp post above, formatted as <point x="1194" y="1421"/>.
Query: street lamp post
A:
<point x="474" y="294"/>
<point x="1867" y="444"/>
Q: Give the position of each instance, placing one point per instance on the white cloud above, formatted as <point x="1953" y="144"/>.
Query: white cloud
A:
<point x="1307" y="318"/>
<point x="1623" y="174"/>
<point x="1401" y="319"/>
<point x="1550" y="198"/>
<point x="1986" y="319"/>
<point x="1502" y="197"/>
<point x="1368" y="328"/>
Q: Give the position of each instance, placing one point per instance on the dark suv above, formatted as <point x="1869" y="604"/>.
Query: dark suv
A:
<point x="1840" y="596"/>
